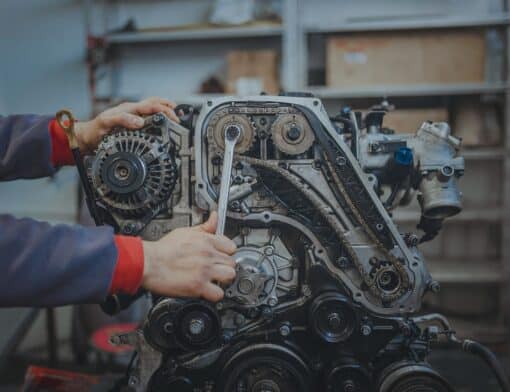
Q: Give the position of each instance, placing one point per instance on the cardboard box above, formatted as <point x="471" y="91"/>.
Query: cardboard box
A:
<point x="409" y="120"/>
<point x="252" y="71"/>
<point x="370" y="59"/>
<point x="476" y="123"/>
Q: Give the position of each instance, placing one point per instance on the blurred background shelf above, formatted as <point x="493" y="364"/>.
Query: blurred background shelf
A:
<point x="483" y="153"/>
<point x="456" y="272"/>
<point x="410" y="90"/>
<point x="467" y="215"/>
<point x="197" y="34"/>
<point x="410" y="23"/>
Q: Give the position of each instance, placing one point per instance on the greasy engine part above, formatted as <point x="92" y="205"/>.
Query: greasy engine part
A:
<point x="410" y="376"/>
<point x="326" y="285"/>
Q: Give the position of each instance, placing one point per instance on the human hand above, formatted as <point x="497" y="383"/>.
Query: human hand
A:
<point x="128" y="115"/>
<point x="187" y="261"/>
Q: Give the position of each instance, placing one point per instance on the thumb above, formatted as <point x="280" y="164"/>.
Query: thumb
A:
<point x="209" y="226"/>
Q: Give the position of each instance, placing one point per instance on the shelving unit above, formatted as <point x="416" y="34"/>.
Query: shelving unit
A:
<point x="293" y="36"/>
<point x="410" y="91"/>
<point x="195" y="34"/>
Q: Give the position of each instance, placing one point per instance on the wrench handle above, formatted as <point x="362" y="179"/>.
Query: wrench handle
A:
<point x="231" y="138"/>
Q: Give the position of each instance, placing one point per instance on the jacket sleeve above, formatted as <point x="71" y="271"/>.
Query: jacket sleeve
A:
<point x="45" y="265"/>
<point x="25" y="147"/>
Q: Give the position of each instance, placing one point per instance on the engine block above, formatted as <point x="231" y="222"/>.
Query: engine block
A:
<point x="327" y="288"/>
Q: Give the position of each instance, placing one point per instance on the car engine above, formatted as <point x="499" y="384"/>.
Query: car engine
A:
<point x="327" y="291"/>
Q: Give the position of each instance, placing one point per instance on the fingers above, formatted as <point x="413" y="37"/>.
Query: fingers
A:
<point x="223" y="244"/>
<point x="212" y="292"/>
<point x="126" y="120"/>
<point x="220" y="243"/>
<point x="222" y="273"/>
<point x="155" y="105"/>
<point x="209" y="226"/>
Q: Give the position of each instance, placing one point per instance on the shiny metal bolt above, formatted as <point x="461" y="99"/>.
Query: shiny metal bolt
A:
<point x="366" y="330"/>
<point x="334" y="320"/>
<point x="285" y="330"/>
<point x="196" y="326"/>
<point x="272" y="301"/>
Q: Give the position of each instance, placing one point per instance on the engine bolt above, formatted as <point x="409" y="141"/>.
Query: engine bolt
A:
<point x="340" y="161"/>
<point x="434" y="286"/>
<point x="272" y="301"/>
<point x="129" y="228"/>
<point x="133" y="380"/>
<point x="349" y="386"/>
<point x="306" y="291"/>
<point x="196" y="326"/>
<point x="239" y="319"/>
<point x="411" y="239"/>
<point x="285" y="330"/>
<point x="268" y="251"/>
<point x="267" y="312"/>
<point x="294" y="133"/>
<point x="342" y="262"/>
<point x="334" y="320"/>
<point x="366" y="330"/>
<point x="226" y="336"/>
<point x="158" y="119"/>
<point x="168" y="327"/>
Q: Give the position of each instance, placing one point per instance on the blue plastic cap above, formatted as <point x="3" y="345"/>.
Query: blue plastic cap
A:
<point x="404" y="156"/>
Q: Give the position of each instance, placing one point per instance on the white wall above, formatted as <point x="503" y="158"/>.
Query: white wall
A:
<point x="42" y="70"/>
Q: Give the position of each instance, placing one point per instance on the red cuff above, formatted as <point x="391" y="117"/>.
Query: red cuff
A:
<point x="61" y="154"/>
<point x="128" y="273"/>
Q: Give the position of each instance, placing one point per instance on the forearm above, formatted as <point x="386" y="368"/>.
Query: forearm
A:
<point x="25" y="147"/>
<point x="44" y="265"/>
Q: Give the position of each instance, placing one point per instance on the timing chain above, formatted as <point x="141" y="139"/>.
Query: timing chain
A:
<point x="360" y="203"/>
<point x="379" y="245"/>
<point x="329" y="215"/>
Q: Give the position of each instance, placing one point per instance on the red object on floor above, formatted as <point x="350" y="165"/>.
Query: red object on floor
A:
<point x="38" y="379"/>
<point x="101" y="338"/>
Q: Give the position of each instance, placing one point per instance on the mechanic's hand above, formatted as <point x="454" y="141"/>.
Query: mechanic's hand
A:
<point x="187" y="261"/>
<point x="128" y="115"/>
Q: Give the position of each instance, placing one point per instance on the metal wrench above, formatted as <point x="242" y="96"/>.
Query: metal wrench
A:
<point x="232" y="134"/>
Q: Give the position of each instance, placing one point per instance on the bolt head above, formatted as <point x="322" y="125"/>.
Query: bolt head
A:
<point x="285" y="330"/>
<point x="158" y="119"/>
<point x="272" y="301"/>
<point x="232" y="132"/>
<point x="196" y="326"/>
<point x="434" y="286"/>
<point x="293" y="133"/>
<point x="366" y="330"/>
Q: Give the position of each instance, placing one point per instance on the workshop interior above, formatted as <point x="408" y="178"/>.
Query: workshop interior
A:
<point x="357" y="153"/>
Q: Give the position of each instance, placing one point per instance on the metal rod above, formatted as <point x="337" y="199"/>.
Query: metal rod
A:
<point x="232" y="134"/>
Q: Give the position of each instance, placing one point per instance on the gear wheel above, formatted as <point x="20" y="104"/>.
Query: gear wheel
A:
<point x="133" y="172"/>
<point x="216" y="131"/>
<point x="386" y="278"/>
<point x="291" y="134"/>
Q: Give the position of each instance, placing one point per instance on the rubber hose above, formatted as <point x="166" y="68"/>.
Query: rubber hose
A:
<point x="490" y="359"/>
